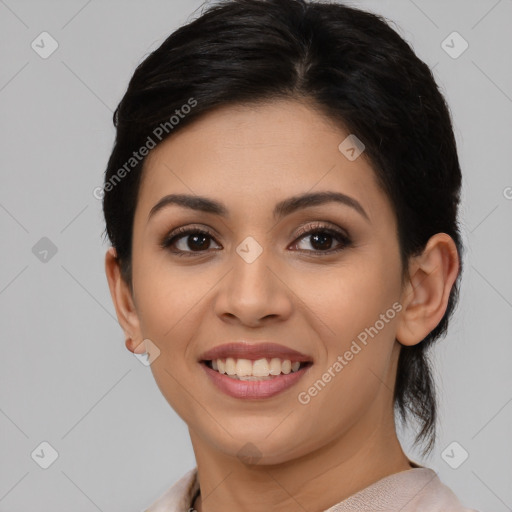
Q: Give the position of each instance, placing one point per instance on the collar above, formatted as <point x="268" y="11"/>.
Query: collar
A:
<point x="412" y="490"/>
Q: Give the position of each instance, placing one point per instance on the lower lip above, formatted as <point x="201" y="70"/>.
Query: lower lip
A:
<point x="254" y="389"/>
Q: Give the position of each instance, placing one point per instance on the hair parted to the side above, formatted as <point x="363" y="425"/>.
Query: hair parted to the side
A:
<point x="352" y="67"/>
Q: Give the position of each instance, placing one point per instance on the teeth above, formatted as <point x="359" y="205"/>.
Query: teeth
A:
<point x="275" y="366"/>
<point x="245" y="369"/>
<point x="230" y="367"/>
<point x="286" y="366"/>
<point x="260" y="368"/>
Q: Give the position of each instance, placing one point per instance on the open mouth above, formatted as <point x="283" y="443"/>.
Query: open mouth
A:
<point x="255" y="370"/>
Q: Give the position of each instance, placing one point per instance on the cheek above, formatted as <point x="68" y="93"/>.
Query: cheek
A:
<point x="169" y="305"/>
<point x="351" y="298"/>
<point x="357" y="324"/>
<point x="168" y="297"/>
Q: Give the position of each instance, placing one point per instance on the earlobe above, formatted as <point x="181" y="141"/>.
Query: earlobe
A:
<point x="425" y="298"/>
<point x="137" y="347"/>
<point x="123" y="302"/>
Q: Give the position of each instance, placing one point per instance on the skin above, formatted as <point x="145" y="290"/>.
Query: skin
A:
<point x="309" y="457"/>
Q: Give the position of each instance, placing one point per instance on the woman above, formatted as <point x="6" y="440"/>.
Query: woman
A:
<point x="282" y="205"/>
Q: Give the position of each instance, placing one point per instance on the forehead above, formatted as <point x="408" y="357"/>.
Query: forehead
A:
<point x="250" y="153"/>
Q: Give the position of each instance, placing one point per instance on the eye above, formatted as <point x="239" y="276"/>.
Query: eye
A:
<point x="190" y="241"/>
<point x="321" y="238"/>
<point x="187" y="241"/>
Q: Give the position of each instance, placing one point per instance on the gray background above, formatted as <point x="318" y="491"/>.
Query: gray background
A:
<point x="66" y="376"/>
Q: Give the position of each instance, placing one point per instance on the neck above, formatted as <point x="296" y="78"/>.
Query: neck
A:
<point x="367" y="452"/>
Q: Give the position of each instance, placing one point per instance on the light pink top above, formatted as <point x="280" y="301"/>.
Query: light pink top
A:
<point x="413" y="490"/>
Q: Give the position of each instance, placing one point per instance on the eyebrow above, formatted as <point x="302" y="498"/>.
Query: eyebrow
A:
<point x="282" y="209"/>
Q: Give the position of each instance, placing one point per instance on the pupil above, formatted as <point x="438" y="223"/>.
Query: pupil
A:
<point x="322" y="238"/>
<point x="198" y="246"/>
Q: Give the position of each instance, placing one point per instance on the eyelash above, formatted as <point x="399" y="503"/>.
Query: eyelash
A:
<point x="179" y="233"/>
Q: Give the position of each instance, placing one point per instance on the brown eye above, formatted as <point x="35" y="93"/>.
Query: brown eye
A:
<point x="322" y="238"/>
<point x="194" y="241"/>
<point x="187" y="241"/>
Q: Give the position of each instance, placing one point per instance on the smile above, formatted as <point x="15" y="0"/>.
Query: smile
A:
<point x="261" y="378"/>
<point x="244" y="368"/>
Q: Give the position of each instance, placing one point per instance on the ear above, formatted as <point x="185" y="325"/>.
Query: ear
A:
<point x="425" y="296"/>
<point x="124" y="304"/>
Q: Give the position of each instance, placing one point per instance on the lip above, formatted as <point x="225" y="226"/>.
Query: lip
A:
<point x="254" y="389"/>
<point x="253" y="352"/>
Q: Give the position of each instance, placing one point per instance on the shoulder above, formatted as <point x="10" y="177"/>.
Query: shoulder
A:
<point x="179" y="496"/>
<point x="414" y="490"/>
<point x="434" y="495"/>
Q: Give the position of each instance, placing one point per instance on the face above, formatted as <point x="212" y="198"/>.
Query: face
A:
<point x="320" y="277"/>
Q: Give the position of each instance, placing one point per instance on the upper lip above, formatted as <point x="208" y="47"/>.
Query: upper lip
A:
<point x="254" y="351"/>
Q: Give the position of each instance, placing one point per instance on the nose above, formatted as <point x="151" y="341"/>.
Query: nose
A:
<point x="254" y="293"/>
